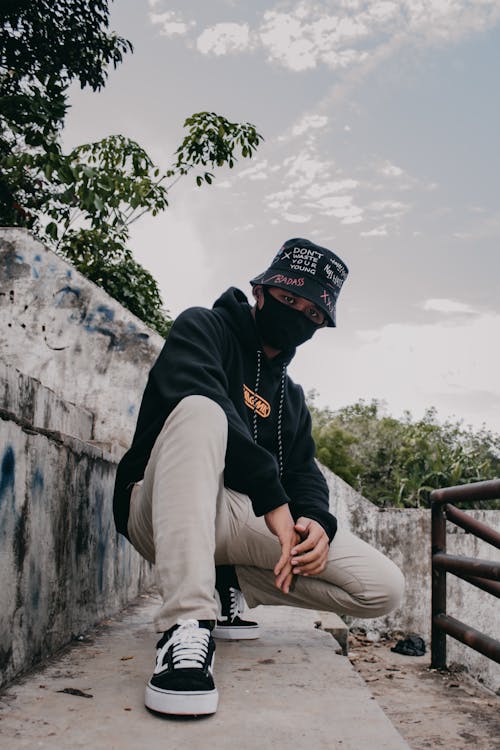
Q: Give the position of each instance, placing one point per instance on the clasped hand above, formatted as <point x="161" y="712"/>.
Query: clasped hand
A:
<point x="304" y="546"/>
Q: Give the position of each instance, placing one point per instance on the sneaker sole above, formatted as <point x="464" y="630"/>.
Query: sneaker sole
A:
<point x="236" y="633"/>
<point x="181" y="703"/>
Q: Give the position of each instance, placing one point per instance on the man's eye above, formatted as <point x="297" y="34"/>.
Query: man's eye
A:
<point x="289" y="300"/>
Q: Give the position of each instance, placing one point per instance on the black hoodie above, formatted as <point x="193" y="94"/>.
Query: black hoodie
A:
<point x="270" y="451"/>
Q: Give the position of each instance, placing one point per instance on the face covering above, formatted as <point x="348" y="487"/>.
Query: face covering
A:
<point x="280" y="326"/>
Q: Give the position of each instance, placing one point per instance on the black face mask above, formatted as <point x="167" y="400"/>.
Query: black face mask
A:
<point x="280" y="326"/>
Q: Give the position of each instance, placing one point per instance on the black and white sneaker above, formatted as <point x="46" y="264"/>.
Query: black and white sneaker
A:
<point x="230" y="626"/>
<point x="182" y="682"/>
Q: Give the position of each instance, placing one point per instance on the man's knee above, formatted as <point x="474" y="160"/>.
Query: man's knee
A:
<point x="386" y="595"/>
<point x="201" y="408"/>
<point x="199" y="415"/>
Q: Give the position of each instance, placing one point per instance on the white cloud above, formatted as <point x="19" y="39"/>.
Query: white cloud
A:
<point x="224" y="38"/>
<point x="170" y="22"/>
<point x="389" y="208"/>
<point x="393" y="363"/>
<point x="257" y="171"/>
<point x="357" y="34"/>
<point x="244" y="228"/>
<point x="309" y="122"/>
<point x="296" y="218"/>
<point x="391" y="170"/>
<point x="376" y="232"/>
<point x="319" y="189"/>
<point x="304" y="36"/>
<point x="447" y="306"/>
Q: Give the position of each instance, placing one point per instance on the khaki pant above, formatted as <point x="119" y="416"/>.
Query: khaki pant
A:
<point x="183" y="519"/>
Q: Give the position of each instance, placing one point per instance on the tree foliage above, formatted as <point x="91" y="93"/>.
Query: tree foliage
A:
<point x="398" y="462"/>
<point x="44" y="46"/>
<point x="83" y="203"/>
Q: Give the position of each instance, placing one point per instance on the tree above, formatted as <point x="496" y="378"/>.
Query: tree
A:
<point x="83" y="203"/>
<point x="44" y="46"/>
<point x="399" y="462"/>
<point x="101" y="188"/>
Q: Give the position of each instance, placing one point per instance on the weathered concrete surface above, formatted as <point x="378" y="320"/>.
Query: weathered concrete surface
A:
<point x="285" y="690"/>
<point x="404" y="535"/>
<point x="28" y="400"/>
<point x="63" y="567"/>
<point x="63" y="330"/>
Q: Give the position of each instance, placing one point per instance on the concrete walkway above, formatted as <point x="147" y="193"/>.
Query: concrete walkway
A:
<point x="288" y="689"/>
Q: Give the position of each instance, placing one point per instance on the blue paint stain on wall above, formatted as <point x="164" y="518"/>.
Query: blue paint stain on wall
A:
<point x="61" y="294"/>
<point x="69" y="274"/>
<point x="38" y="258"/>
<point x="107" y="313"/>
<point x="102" y="536"/>
<point x="7" y="482"/>
<point x="37" y="482"/>
<point x="35" y="586"/>
<point x="7" y="472"/>
<point x="131" y="410"/>
<point x="34" y="273"/>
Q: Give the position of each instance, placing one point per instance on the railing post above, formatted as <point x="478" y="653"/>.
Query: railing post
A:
<point x="438" y="544"/>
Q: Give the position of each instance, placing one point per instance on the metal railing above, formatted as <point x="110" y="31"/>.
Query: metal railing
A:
<point x="485" y="574"/>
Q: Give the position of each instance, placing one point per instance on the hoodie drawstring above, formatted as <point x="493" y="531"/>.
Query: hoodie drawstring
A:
<point x="280" y="409"/>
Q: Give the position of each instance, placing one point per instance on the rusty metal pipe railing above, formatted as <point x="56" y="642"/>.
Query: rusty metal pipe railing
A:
<point x="491" y="587"/>
<point x="484" y="574"/>
<point x="453" y="563"/>
<point x="466" y="522"/>
<point x="489" y="490"/>
<point x="470" y="636"/>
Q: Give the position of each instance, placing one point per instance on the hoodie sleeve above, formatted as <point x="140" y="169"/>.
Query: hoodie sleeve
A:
<point x="304" y="482"/>
<point x="192" y="362"/>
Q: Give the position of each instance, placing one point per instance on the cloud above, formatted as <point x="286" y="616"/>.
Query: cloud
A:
<point x="391" y="170"/>
<point x="409" y="365"/>
<point x="447" y="306"/>
<point x="296" y="218"/>
<point x="224" y="38"/>
<point x="352" y="34"/>
<point x="376" y="232"/>
<point x="170" y="22"/>
<point x="303" y="37"/>
<point x="257" y="171"/>
<point x="389" y="209"/>
<point x="309" y="122"/>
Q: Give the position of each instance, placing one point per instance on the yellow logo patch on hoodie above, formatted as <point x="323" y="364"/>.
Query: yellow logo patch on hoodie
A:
<point x="255" y="402"/>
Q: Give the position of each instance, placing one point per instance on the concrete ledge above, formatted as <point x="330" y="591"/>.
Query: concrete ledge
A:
<point x="333" y="624"/>
<point x="38" y="405"/>
<point x="288" y="689"/>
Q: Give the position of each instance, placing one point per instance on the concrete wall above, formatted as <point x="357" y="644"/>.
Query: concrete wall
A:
<point x="74" y="364"/>
<point x="404" y="535"/>
<point x="63" y="330"/>
<point x="63" y="567"/>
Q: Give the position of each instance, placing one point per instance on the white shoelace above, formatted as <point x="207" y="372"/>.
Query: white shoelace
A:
<point x="237" y="606"/>
<point x="189" y="646"/>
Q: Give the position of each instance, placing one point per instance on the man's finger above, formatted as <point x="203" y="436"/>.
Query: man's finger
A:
<point x="284" y="580"/>
<point x="311" y="569"/>
<point x="316" y="554"/>
<point x="308" y="544"/>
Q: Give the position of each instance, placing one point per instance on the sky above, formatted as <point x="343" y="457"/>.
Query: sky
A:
<point x="381" y="121"/>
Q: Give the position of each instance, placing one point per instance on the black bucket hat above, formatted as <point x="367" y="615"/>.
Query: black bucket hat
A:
<point x="310" y="271"/>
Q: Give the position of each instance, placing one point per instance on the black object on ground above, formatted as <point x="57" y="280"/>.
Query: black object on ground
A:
<point x="412" y="645"/>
